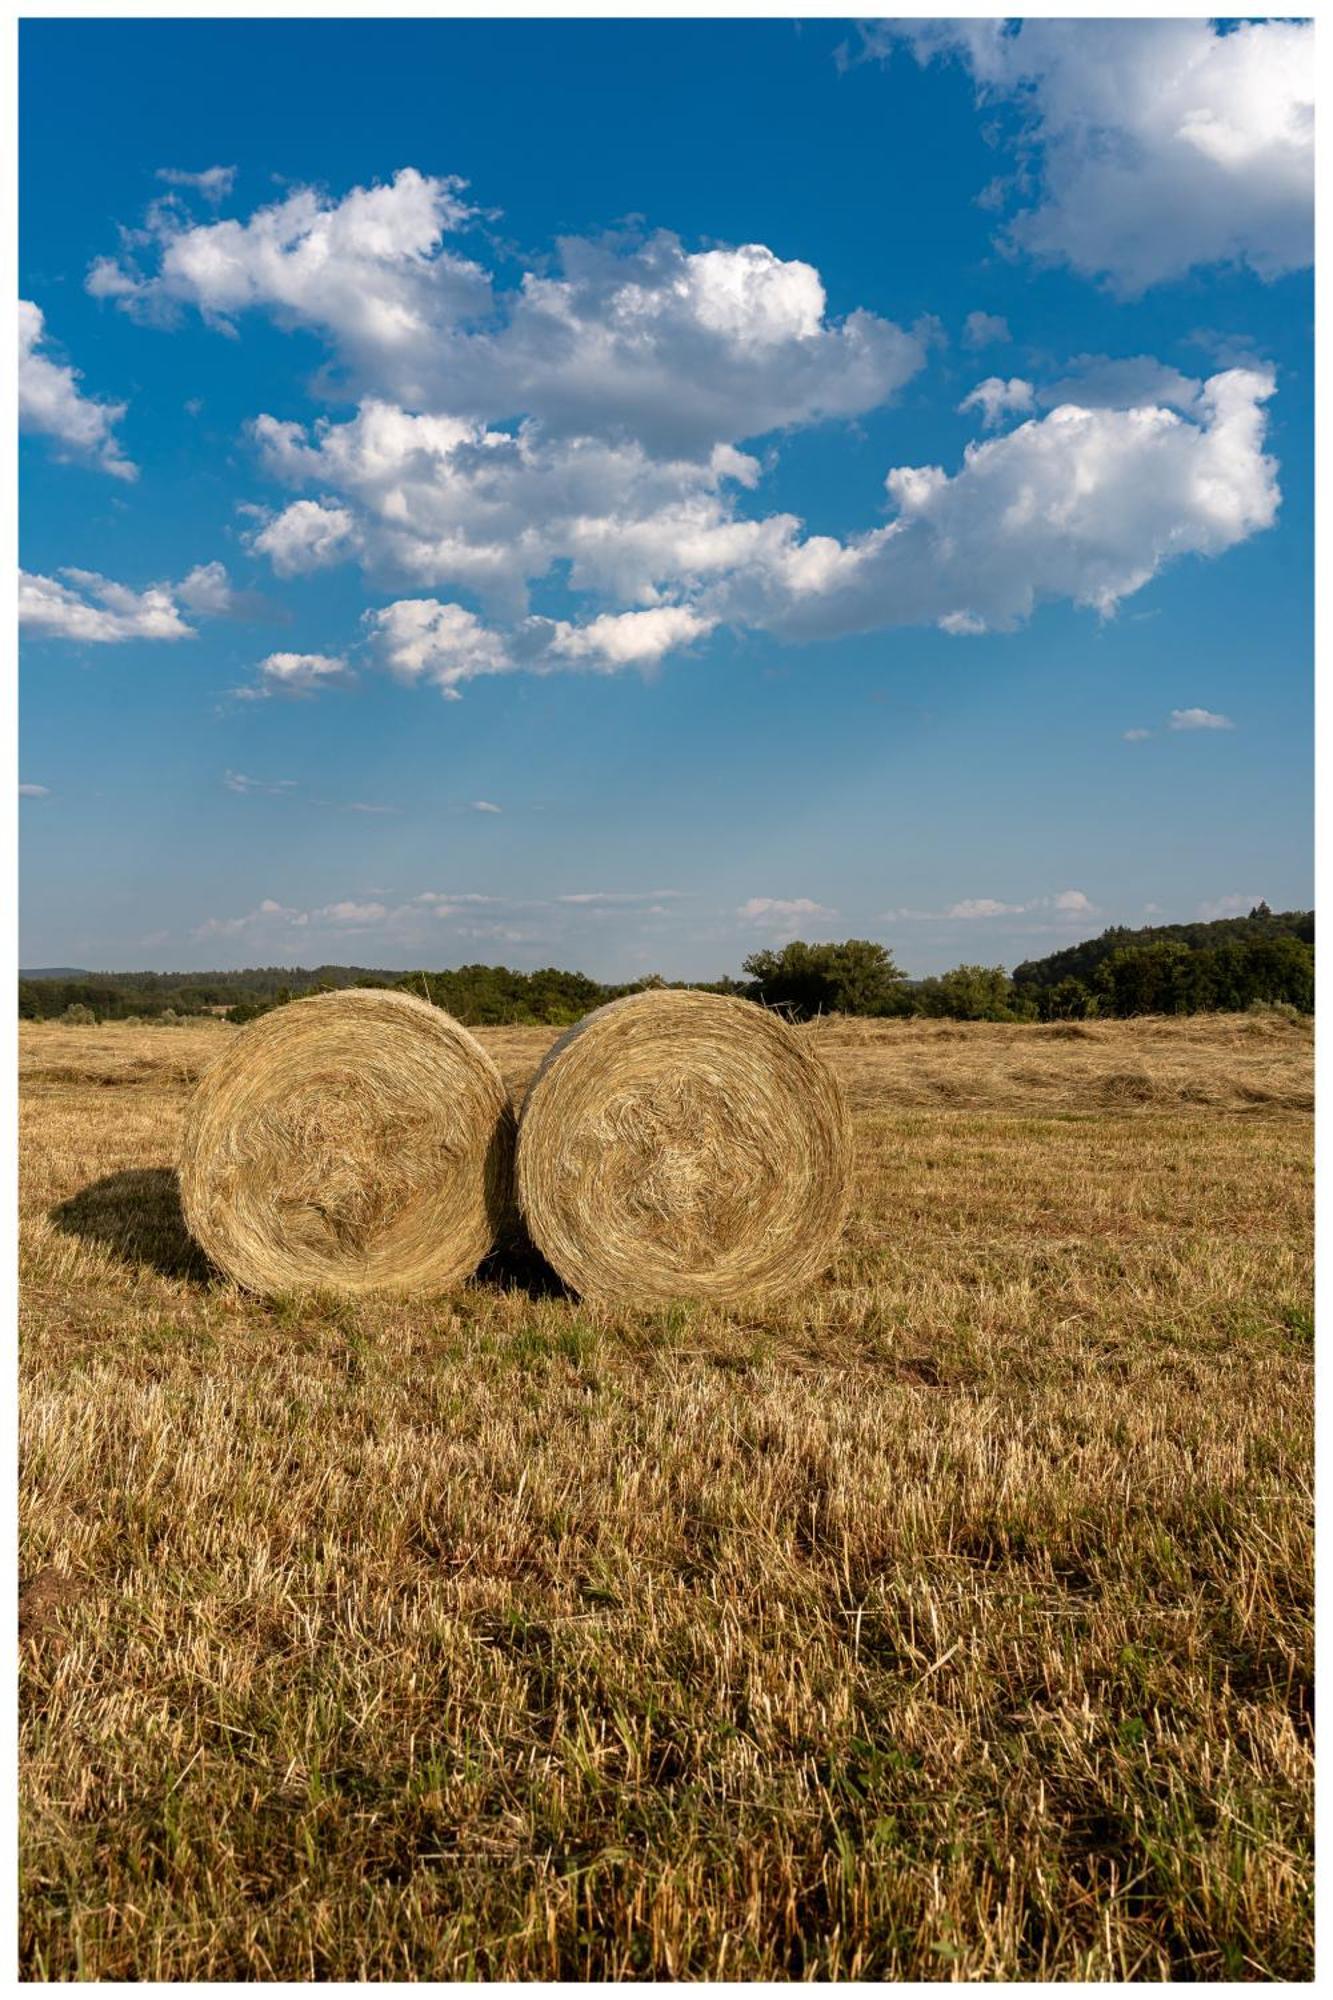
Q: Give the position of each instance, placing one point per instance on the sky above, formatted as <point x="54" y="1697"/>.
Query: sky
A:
<point x="621" y="495"/>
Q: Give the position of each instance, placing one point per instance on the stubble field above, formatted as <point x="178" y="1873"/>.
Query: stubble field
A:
<point x="950" y="1620"/>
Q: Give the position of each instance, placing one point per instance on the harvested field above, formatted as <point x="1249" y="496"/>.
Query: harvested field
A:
<point x="949" y="1620"/>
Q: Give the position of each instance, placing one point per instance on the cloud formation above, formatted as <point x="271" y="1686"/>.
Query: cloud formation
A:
<point x="1083" y="504"/>
<point x="583" y="433"/>
<point x="982" y="329"/>
<point x="1198" y="718"/>
<point x="784" y="916"/>
<point x="213" y="183"/>
<point x="52" y="403"/>
<point x="298" y="674"/>
<point x="628" y="337"/>
<point x="93" y="609"/>
<point x="996" y="399"/>
<point x="1159" y="145"/>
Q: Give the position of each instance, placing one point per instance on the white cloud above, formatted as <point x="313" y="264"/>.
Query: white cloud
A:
<point x="306" y="536"/>
<point x="214" y="183"/>
<point x="982" y="329"/>
<point x="299" y="673"/>
<point x="1198" y="718"/>
<point x="207" y="590"/>
<point x="1081" y="504"/>
<point x="784" y="916"/>
<point x="420" y="639"/>
<point x="34" y="791"/>
<point x="51" y="402"/>
<point x="1098" y="382"/>
<point x="97" y="611"/>
<point x="236" y="781"/>
<point x="1136" y="735"/>
<point x="1161" y="145"/>
<point x="627" y="337"/>
<point x="445" y="644"/>
<point x="630" y="639"/>
<point x="983" y="906"/>
<point x="996" y="398"/>
<point x="447" y="501"/>
<point x="369" y="272"/>
<point x="585" y="429"/>
<point x="1084" y="503"/>
<point x="1063" y="904"/>
<point x="483" y="806"/>
<point x="1228" y="906"/>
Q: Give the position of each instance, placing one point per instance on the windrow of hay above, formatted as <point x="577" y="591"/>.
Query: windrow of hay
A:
<point x="683" y="1145"/>
<point x="359" y="1140"/>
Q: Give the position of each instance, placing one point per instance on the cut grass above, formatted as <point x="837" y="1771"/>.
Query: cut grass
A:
<point x="950" y="1620"/>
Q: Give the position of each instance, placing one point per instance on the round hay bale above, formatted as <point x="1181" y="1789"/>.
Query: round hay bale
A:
<point x="360" y="1140"/>
<point x="682" y="1145"/>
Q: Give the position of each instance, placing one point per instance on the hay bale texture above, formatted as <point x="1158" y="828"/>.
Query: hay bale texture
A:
<point x="360" y="1141"/>
<point x="683" y="1145"/>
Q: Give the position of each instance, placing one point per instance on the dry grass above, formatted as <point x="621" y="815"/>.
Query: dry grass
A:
<point x="950" y="1619"/>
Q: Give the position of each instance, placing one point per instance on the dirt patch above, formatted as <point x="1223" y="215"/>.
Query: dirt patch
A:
<point x="41" y="1600"/>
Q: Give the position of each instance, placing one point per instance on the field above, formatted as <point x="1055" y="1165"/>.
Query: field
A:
<point x="951" y="1620"/>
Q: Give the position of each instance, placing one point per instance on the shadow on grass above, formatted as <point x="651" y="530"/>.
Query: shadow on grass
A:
<point x="516" y="1265"/>
<point x="139" y="1218"/>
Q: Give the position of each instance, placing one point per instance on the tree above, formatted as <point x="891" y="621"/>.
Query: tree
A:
<point x="968" y="993"/>
<point x="855" y="977"/>
<point x="1067" y="1000"/>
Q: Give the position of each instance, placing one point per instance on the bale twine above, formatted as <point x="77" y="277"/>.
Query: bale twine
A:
<point x="359" y="1140"/>
<point x="683" y="1145"/>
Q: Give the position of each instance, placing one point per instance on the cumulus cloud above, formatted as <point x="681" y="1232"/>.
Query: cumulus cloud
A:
<point x="52" y="403"/>
<point x="983" y="329"/>
<point x="1063" y="904"/>
<point x="1198" y="718"/>
<point x="34" y="791"/>
<point x="420" y="639"/>
<point x="1083" y="504"/>
<point x="304" y="537"/>
<point x="1159" y="145"/>
<point x="585" y="429"/>
<point x="93" y="609"/>
<point x="213" y="183"/>
<point x="299" y="674"/>
<point x="995" y="398"/>
<point x="448" y="501"/>
<point x="982" y="906"/>
<point x="1101" y="382"/>
<point x="1086" y="502"/>
<point x="783" y="915"/>
<point x="1137" y="735"/>
<point x="369" y="272"/>
<point x="484" y="806"/>
<point x="629" y="639"/>
<point x="207" y="590"/>
<point x="625" y="337"/>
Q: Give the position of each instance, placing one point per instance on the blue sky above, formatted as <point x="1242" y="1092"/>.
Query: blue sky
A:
<point x="500" y="491"/>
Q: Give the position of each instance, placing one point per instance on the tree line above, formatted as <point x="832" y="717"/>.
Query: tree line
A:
<point x="1263" y="959"/>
